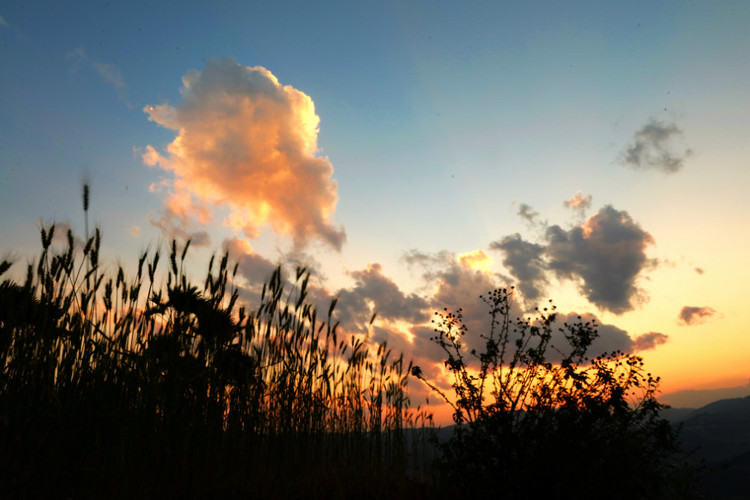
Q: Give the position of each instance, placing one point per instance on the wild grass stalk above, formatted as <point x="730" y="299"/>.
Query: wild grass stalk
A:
<point x="111" y="383"/>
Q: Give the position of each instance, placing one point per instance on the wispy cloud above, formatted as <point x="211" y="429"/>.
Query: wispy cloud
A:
<point x="579" y="203"/>
<point x="247" y="142"/>
<point x="693" y="315"/>
<point x="527" y="213"/>
<point x="108" y="72"/>
<point x="3" y="22"/>
<point x="652" y="148"/>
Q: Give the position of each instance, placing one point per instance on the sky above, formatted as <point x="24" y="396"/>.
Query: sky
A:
<point x="412" y="154"/>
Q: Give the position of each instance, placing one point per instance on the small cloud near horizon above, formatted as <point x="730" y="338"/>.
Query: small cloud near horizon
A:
<point x="692" y="315"/>
<point x="652" y="148"/>
<point x="649" y="341"/>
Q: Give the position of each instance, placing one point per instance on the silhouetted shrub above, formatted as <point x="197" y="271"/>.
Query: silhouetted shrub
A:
<point x="531" y="428"/>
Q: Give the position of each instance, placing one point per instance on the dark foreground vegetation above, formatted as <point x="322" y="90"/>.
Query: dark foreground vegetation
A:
<point x="537" y="418"/>
<point x="149" y="387"/>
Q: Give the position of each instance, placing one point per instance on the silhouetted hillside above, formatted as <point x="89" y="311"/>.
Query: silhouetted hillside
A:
<point x="720" y="430"/>
<point x="720" y="435"/>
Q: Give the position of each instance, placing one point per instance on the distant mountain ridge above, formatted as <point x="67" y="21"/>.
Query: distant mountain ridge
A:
<point x="698" y="398"/>
<point x="720" y="430"/>
<point x="719" y="434"/>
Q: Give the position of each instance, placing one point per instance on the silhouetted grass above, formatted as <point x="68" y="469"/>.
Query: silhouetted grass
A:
<point x="150" y="386"/>
<point x="122" y="387"/>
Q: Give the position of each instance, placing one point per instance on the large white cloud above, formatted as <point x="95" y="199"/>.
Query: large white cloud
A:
<point x="249" y="143"/>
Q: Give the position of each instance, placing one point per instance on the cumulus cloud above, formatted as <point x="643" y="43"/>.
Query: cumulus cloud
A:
<point x="525" y="261"/>
<point x="579" y="203"/>
<point x="297" y="258"/>
<point x="428" y="261"/>
<point x="692" y="315"/>
<point x="248" y="143"/>
<point x="251" y="266"/>
<point x="610" y="338"/>
<point x="652" y="148"/>
<point x="108" y="72"/>
<point x="649" y="341"/>
<point x="606" y="255"/>
<point x="454" y="282"/>
<point x="135" y="231"/>
<point x="457" y="285"/>
<point x="373" y="288"/>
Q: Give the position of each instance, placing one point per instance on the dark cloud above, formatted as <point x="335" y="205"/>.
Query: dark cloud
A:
<point x="649" y="341"/>
<point x="353" y="311"/>
<point x="252" y="266"/>
<point x="430" y="263"/>
<point x="390" y="303"/>
<point x="416" y="257"/>
<point x="297" y="258"/>
<point x="456" y="284"/>
<point x="527" y="213"/>
<point x="525" y="262"/>
<point x="606" y="254"/>
<point x="610" y="338"/>
<point x="652" y="149"/>
<point x="460" y="286"/>
<point x="691" y="315"/>
<point x="477" y="320"/>
<point x="455" y="281"/>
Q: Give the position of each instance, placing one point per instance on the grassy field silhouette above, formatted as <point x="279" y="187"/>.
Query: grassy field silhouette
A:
<point x="150" y="387"/>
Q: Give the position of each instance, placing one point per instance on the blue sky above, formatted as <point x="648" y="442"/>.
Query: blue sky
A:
<point x="440" y="120"/>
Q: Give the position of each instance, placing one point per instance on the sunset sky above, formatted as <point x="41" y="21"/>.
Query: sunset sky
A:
<point x="414" y="154"/>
